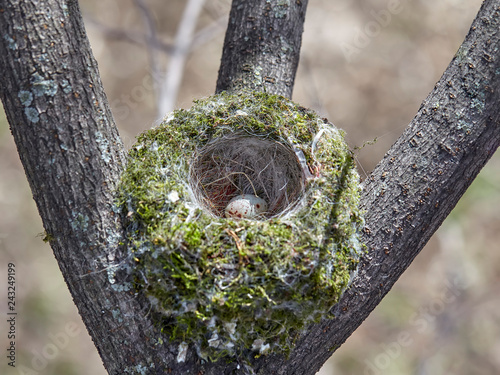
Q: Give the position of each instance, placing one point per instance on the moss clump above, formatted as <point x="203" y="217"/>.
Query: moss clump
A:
<point x="229" y="286"/>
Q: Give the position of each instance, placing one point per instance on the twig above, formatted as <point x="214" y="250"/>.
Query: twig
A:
<point x="183" y="41"/>
<point x="152" y="39"/>
<point x="123" y="34"/>
<point x="209" y="32"/>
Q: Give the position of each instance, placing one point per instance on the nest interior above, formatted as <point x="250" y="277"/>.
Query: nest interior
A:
<point x="238" y="164"/>
<point x="228" y="287"/>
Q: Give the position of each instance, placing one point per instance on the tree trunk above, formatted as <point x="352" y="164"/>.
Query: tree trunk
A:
<point x="72" y="155"/>
<point x="416" y="185"/>
<point x="262" y="45"/>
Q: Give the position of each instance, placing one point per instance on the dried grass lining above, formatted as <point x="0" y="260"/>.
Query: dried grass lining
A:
<point x="238" y="164"/>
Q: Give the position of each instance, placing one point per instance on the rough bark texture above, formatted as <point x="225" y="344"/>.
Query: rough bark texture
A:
<point x="417" y="184"/>
<point x="72" y="156"/>
<point x="262" y="45"/>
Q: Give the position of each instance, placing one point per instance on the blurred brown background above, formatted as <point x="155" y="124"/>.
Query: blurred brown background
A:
<point x="366" y="65"/>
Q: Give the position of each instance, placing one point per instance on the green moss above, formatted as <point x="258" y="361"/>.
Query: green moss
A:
<point x="227" y="286"/>
<point x="46" y="237"/>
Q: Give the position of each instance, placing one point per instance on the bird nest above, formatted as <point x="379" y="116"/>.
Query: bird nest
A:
<point x="230" y="286"/>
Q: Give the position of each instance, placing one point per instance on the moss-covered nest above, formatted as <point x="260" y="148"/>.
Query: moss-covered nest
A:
<point x="228" y="286"/>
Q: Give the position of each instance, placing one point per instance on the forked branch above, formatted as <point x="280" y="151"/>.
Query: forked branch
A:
<point x="73" y="156"/>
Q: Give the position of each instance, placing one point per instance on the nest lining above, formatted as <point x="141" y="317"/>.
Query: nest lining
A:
<point x="239" y="164"/>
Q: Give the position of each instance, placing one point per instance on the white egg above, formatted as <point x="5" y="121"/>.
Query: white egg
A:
<point x="246" y="207"/>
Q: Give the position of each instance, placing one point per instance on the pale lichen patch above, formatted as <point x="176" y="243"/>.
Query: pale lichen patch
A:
<point x="42" y="86"/>
<point x="25" y="97"/>
<point x="11" y="43"/>
<point x="32" y="114"/>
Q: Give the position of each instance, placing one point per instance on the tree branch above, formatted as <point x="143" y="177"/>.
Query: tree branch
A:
<point x="73" y="156"/>
<point x="417" y="184"/>
<point x="122" y="34"/>
<point x="183" y="40"/>
<point x="262" y="46"/>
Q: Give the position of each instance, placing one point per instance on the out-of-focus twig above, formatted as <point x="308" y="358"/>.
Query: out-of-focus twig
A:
<point x="168" y="79"/>
<point x="153" y="42"/>
<point x="183" y="40"/>
<point x="123" y="34"/>
<point x="199" y="39"/>
<point x="209" y="32"/>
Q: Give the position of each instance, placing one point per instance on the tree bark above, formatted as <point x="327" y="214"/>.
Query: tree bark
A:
<point x="416" y="185"/>
<point x="72" y="155"/>
<point x="262" y="46"/>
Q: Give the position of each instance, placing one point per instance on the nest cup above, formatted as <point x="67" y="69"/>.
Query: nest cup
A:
<point x="238" y="164"/>
<point x="229" y="287"/>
